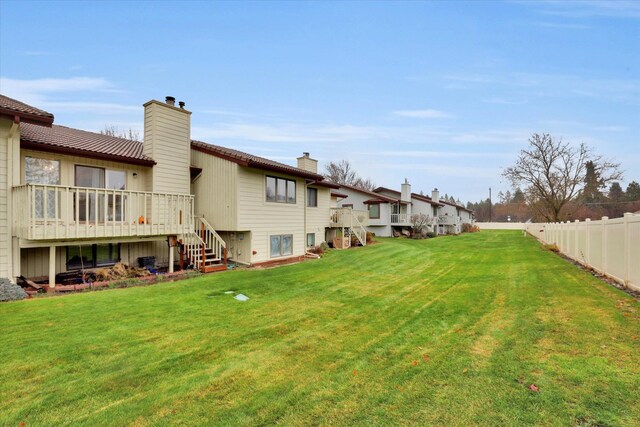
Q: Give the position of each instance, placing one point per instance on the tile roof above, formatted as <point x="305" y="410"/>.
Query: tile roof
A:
<point x="10" y="107"/>
<point x="64" y="140"/>
<point x="249" y="160"/>
<point x="379" y="197"/>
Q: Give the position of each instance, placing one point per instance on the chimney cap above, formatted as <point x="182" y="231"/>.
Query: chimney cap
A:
<point x="305" y="153"/>
<point x="170" y="100"/>
<point x="181" y="104"/>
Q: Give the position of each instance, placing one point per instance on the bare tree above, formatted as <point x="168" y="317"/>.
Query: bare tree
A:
<point x="112" y="130"/>
<point x="343" y="173"/>
<point x="553" y="173"/>
<point x="418" y="223"/>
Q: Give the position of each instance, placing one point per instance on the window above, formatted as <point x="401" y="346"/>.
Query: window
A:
<point x="311" y="240"/>
<point x="312" y="197"/>
<point x="79" y="257"/>
<point x="43" y="171"/>
<point x="281" y="245"/>
<point x="374" y="211"/>
<point x="280" y="190"/>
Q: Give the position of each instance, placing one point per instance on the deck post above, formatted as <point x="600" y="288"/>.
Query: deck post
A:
<point x="171" y="255"/>
<point x="52" y="266"/>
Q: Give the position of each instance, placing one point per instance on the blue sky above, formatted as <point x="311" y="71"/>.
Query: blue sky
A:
<point x="442" y="93"/>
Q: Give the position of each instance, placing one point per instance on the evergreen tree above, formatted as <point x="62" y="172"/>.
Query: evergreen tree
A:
<point x="633" y="191"/>
<point x="592" y="184"/>
<point x="518" y="196"/>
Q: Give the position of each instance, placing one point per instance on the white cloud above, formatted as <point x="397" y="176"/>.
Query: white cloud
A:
<point x="423" y="114"/>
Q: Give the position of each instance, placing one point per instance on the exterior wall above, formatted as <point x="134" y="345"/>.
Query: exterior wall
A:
<point x="216" y="190"/>
<point x="35" y="261"/>
<point x="318" y="217"/>
<point x="167" y="140"/>
<point x="465" y="217"/>
<point x="265" y="219"/>
<point x="5" y="194"/>
<point x="238" y="245"/>
<point x="448" y="216"/>
<point x="380" y="226"/>
<point x="139" y="182"/>
<point x="420" y="207"/>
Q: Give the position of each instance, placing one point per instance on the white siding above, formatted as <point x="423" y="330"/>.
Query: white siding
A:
<point x="265" y="219"/>
<point x="380" y="226"/>
<point x="5" y="235"/>
<point x="167" y="140"/>
<point x="216" y="190"/>
<point x="318" y="217"/>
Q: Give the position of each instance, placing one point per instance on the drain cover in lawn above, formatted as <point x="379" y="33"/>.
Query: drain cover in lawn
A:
<point x="241" y="297"/>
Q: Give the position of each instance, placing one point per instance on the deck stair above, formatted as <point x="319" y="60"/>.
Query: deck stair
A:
<point x="348" y="218"/>
<point x="204" y="248"/>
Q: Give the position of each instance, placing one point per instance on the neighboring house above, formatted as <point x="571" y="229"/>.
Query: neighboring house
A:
<point x="451" y="216"/>
<point x="401" y="212"/>
<point x="81" y="200"/>
<point x="77" y="200"/>
<point x="374" y="207"/>
<point x="264" y="210"/>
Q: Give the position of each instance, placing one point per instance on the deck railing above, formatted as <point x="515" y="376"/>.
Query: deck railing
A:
<point x="344" y="217"/>
<point x="49" y="212"/>
<point x="400" y="218"/>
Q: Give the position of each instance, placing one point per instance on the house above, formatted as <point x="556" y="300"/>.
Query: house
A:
<point x="451" y="216"/>
<point x="264" y="210"/>
<point x="372" y="208"/>
<point x="76" y="200"/>
<point x="401" y="213"/>
<point x="80" y="200"/>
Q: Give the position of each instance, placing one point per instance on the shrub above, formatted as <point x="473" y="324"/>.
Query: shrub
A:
<point x="552" y="247"/>
<point x="370" y="237"/>
<point x="318" y="250"/>
<point x="324" y="246"/>
<point x="430" y="234"/>
<point x="10" y="292"/>
<point x="469" y="228"/>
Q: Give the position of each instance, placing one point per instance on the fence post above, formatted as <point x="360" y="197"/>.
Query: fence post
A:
<point x="575" y="240"/>
<point x="604" y="244"/>
<point x="587" y="242"/>
<point x="627" y="249"/>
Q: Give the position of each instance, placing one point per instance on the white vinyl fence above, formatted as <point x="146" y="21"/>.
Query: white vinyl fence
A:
<point x="610" y="246"/>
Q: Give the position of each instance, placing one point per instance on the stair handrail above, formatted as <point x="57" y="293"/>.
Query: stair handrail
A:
<point x="363" y="233"/>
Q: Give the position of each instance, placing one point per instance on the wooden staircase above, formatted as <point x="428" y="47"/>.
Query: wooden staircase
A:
<point x="348" y="218"/>
<point x="204" y="248"/>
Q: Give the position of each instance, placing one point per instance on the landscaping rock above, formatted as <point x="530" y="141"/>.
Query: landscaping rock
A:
<point x="10" y="292"/>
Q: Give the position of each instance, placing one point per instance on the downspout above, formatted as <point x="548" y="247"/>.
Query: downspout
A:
<point x="11" y="173"/>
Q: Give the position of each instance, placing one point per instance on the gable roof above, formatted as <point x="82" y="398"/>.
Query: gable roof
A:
<point x="376" y="197"/>
<point x="416" y="196"/>
<point x="10" y="108"/>
<point x="64" y="140"/>
<point x="249" y="160"/>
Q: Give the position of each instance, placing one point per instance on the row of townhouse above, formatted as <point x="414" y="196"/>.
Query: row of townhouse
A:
<point x="389" y="211"/>
<point x="76" y="200"/>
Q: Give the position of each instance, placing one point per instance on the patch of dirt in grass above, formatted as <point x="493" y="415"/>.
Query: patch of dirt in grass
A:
<point x="484" y="346"/>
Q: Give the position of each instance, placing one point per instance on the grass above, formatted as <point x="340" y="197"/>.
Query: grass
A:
<point x="450" y="331"/>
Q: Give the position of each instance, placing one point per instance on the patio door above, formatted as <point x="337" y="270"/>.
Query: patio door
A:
<point x="92" y="204"/>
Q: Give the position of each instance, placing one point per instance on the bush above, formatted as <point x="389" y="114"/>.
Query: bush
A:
<point x="468" y="228"/>
<point x="430" y="234"/>
<point x="324" y="246"/>
<point x="10" y="292"/>
<point x="318" y="250"/>
<point x="553" y="247"/>
<point x="370" y="237"/>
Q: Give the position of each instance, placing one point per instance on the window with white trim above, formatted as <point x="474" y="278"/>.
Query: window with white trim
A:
<point x="281" y="245"/>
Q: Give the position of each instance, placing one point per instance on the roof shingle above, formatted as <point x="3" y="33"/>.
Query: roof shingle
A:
<point x="64" y="140"/>
<point x="249" y="160"/>
<point x="12" y="107"/>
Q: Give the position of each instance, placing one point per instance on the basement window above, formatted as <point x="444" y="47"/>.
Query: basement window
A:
<point x="281" y="245"/>
<point x="92" y="256"/>
<point x="311" y="240"/>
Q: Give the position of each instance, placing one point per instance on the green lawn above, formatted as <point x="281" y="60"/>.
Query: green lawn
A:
<point x="451" y="331"/>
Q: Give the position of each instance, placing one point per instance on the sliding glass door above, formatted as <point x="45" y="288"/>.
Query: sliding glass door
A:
<point x="91" y="205"/>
